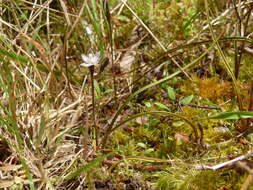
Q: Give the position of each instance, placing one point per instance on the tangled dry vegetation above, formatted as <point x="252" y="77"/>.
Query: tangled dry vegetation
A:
<point x="126" y="95"/>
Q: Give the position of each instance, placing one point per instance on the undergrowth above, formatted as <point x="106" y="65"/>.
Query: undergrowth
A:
<point x="130" y="94"/>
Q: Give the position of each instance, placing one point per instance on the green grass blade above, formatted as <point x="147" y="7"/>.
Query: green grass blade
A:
<point x="13" y="56"/>
<point x="88" y="166"/>
<point x="233" y="115"/>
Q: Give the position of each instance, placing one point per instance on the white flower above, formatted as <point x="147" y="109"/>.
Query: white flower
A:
<point x="88" y="31"/>
<point x="90" y="59"/>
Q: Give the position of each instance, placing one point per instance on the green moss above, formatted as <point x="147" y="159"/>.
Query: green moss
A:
<point x="187" y="179"/>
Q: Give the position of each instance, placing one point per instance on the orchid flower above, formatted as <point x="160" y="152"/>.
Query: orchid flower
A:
<point x="90" y="59"/>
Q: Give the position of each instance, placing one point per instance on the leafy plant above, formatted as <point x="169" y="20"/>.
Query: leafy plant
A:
<point x="102" y="126"/>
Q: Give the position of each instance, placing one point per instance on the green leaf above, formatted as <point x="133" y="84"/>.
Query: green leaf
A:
<point x="13" y="56"/>
<point x="97" y="89"/>
<point x="189" y="21"/>
<point x="209" y="103"/>
<point x="150" y="150"/>
<point x="161" y="106"/>
<point x="148" y="104"/>
<point x="187" y="99"/>
<point x="233" y="115"/>
<point x="142" y="145"/>
<point x="178" y="123"/>
<point x="122" y="18"/>
<point x="171" y="93"/>
<point x="42" y="67"/>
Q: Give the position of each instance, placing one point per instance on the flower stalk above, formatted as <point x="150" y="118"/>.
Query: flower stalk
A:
<point x="90" y="61"/>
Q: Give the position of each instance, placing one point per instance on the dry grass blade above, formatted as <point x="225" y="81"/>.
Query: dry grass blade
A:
<point x="169" y="75"/>
<point x="65" y="10"/>
<point x="155" y="38"/>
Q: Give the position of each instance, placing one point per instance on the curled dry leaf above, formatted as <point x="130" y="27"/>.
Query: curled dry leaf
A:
<point x="142" y="120"/>
<point x="182" y="137"/>
<point x="127" y="61"/>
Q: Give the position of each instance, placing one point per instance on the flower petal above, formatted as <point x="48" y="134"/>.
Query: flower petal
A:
<point x="96" y="57"/>
<point x="86" y="64"/>
<point x="85" y="58"/>
<point x="90" y="59"/>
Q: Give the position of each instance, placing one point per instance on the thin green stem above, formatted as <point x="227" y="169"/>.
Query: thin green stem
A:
<point x="112" y="123"/>
<point x="93" y="103"/>
<point x="223" y="57"/>
<point x="164" y="113"/>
